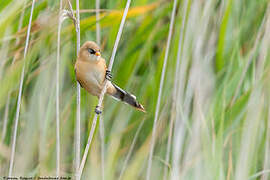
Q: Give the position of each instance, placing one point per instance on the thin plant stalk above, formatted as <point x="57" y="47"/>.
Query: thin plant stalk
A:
<point x="57" y="91"/>
<point x="152" y="144"/>
<point x="176" y="81"/>
<point x="101" y="133"/>
<point x="97" y="21"/>
<point x="13" y="60"/>
<point x="20" y="93"/>
<point x="90" y="137"/>
<point x="101" y="124"/>
<point x="78" y="114"/>
<point x="183" y="102"/>
<point x="76" y="22"/>
<point x="131" y="149"/>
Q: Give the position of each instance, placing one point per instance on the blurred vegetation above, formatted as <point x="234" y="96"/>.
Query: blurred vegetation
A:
<point x="222" y="115"/>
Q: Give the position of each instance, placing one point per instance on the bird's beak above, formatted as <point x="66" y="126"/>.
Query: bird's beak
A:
<point x="97" y="54"/>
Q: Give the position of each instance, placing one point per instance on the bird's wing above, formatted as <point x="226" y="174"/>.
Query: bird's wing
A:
<point x="83" y="85"/>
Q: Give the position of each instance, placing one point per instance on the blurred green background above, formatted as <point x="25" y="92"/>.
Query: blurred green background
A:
<point x="219" y="102"/>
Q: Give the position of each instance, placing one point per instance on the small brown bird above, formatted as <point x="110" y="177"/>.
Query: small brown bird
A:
<point x="91" y="71"/>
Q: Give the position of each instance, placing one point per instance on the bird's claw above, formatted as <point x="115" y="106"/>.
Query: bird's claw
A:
<point x="98" y="110"/>
<point x="108" y="75"/>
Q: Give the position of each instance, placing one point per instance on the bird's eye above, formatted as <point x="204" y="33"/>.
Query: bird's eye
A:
<point x="91" y="51"/>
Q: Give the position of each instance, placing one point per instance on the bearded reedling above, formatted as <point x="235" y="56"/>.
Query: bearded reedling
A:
<point x="91" y="71"/>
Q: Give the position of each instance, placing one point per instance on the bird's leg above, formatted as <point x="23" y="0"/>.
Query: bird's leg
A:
<point x="108" y="75"/>
<point x="98" y="110"/>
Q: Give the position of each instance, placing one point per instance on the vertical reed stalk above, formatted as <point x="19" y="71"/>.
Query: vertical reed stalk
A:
<point x="78" y="115"/>
<point x="176" y="81"/>
<point x="90" y="137"/>
<point x="60" y="19"/>
<point x="152" y="144"/>
<point x="101" y="124"/>
<point x="20" y="93"/>
<point x="102" y="142"/>
<point x="76" y="22"/>
<point x="97" y="22"/>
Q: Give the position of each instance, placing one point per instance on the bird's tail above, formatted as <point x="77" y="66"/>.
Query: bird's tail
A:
<point x="128" y="98"/>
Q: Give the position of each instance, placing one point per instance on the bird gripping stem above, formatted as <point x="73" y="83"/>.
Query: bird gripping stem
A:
<point x="108" y="75"/>
<point x="98" y="110"/>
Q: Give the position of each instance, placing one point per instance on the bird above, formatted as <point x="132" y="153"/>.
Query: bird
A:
<point x="91" y="72"/>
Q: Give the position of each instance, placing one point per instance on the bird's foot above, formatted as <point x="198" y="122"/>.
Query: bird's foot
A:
<point x="108" y="75"/>
<point x="98" y="110"/>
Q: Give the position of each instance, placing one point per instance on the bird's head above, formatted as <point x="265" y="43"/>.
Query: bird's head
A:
<point x="90" y="51"/>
